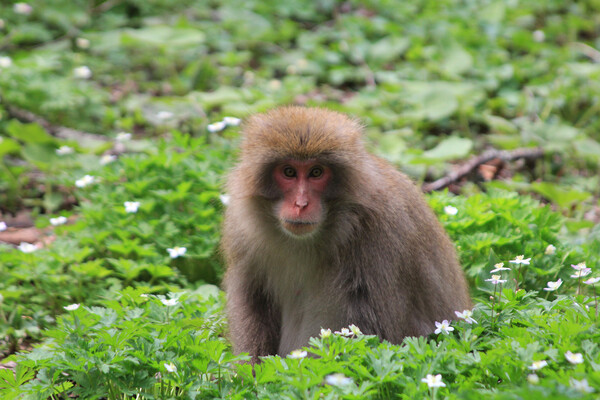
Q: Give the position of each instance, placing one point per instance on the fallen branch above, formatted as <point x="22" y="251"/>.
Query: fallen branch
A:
<point x="61" y="132"/>
<point x="475" y="162"/>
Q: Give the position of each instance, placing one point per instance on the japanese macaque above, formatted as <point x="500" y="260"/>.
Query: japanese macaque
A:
<point x="319" y="233"/>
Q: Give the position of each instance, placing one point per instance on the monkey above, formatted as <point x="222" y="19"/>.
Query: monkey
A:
<point x="319" y="233"/>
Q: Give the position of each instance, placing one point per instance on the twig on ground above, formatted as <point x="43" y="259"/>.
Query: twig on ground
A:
<point x="468" y="167"/>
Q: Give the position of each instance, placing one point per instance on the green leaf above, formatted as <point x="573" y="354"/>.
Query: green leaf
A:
<point x="449" y="149"/>
<point x="564" y="198"/>
<point x="28" y="133"/>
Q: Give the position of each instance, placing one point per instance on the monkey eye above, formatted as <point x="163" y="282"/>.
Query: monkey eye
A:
<point x="289" y="172"/>
<point x="316" y="172"/>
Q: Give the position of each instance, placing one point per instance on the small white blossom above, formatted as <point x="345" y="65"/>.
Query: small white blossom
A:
<point x="499" y="267"/>
<point x="592" y="281"/>
<point x="574" y="358"/>
<point x="355" y="330"/>
<point x="538" y="365"/>
<point x="71" y="307"/>
<point x="467" y="315"/>
<point x="495" y="279"/>
<point x="144" y="295"/>
<point x="58" y="220"/>
<point x="169" y="302"/>
<point x="344" y="332"/>
<point x="3" y="226"/>
<point x="232" y="121"/>
<point x="325" y="333"/>
<point x="107" y="159"/>
<point x="539" y="36"/>
<point x="297" y="354"/>
<point x="22" y="8"/>
<point x="579" y="267"/>
<point x="443" y="327"/>
<point x="581" y="386"/>
<point x="274" y="84"/>
<point x="176" y="251"/>
<point x="553" y="285"/>
<point x="338" y="380"/>
<point x="83" y="72"/>
<point x="550" y="250"/>
<point x="131" y="206"/>
<point x="123" y="137"/>
<point x="85" y="181"/>
<point x="581" y="273"/>
<point x="225" y="199"/>
<point x="1" y="298"/>
<point x="164" y="115"/>
<point x="450" y="210"/>
<point x="64" y="150"/>
<point x="170" y="367"/>
<point x="434" y="381"/>
<point x="216" y="126"/>
<point x="82" y="43"/>
<point x="5" y="62"/>
<point x="520" y="260"/>
<point x="27" y="247"/>
<point x="533" y="379"/>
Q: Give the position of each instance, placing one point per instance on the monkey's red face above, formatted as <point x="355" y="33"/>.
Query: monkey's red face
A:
<point x="302" y="183"/>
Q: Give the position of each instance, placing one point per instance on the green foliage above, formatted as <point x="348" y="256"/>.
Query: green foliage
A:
<point x="434" y="81"/>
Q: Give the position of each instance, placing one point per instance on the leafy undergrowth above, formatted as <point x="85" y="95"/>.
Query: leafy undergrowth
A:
<point x="117" y="298"/>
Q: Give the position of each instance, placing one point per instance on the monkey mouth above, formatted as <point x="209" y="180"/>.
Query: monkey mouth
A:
<point x="299" y="228"/>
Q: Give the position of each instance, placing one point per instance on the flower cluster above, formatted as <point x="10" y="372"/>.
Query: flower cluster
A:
<point x="220" y="125"/>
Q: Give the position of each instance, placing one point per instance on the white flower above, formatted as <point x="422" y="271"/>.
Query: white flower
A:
<point x="107" y="159"/>
<point x="27" y="247"/>
<point x="581" y="386"/>
<point x="3" y="226"/>
<point x="71" y="307"/>
<point x="533" y="379"/>
<point x="5" y="62"/>
<point x="579" y="267"/>
<point x="225" y="199"/>
<point x="85" y="181"/>
<point x="164" y="115"/>
<point x="443" y="327"/>
<point x="169" y="302"/>
<point x="355" y="330"/>
<point x="325" y="333"/>
<point x="434" y="381"/>
<point x="344" y="332"/>
<point x="495" y="279"/>
<point x="1" y="298"/>
<point x="574" y="358"/>
<point x="216" y="126"/>
<point x="22" y="8"/>
<point x="338" y="380"/>
<point x="170" y="367"/>
<point x="297" y="354"/>
<point x="520" y="260"/>
<point x="581" y="273"/>
<point x="123" y="137"/>
<point x="82" y="43"/>
<point x="450" y="210"/>
<point x="538" y="365"/>
<point x="58" y="220"/>
<point x="592" y="281"/>
<point x="550" y="250"/>
<point x="144" y="295"/>
<point x="131" y="206"/>
<point x="539" y="36"/>
<point x="274" y="84"/>
<point x="176" y="251"/>
<point x="64" y="150"/>
<point x="83" y="72"/>
<point x="232" y="121"/>
<point x="499" y="267"/>
<point x="467" y="315"/>
<point x="553" y="285"/>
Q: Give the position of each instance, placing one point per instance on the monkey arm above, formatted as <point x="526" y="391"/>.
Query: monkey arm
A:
<point x="254" y="320"/>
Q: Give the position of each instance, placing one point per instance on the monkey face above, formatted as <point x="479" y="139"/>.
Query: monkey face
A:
<point x="301" y="209"/>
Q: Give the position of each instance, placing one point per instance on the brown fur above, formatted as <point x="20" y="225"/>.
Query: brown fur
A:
<point x="380" y="260"/>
